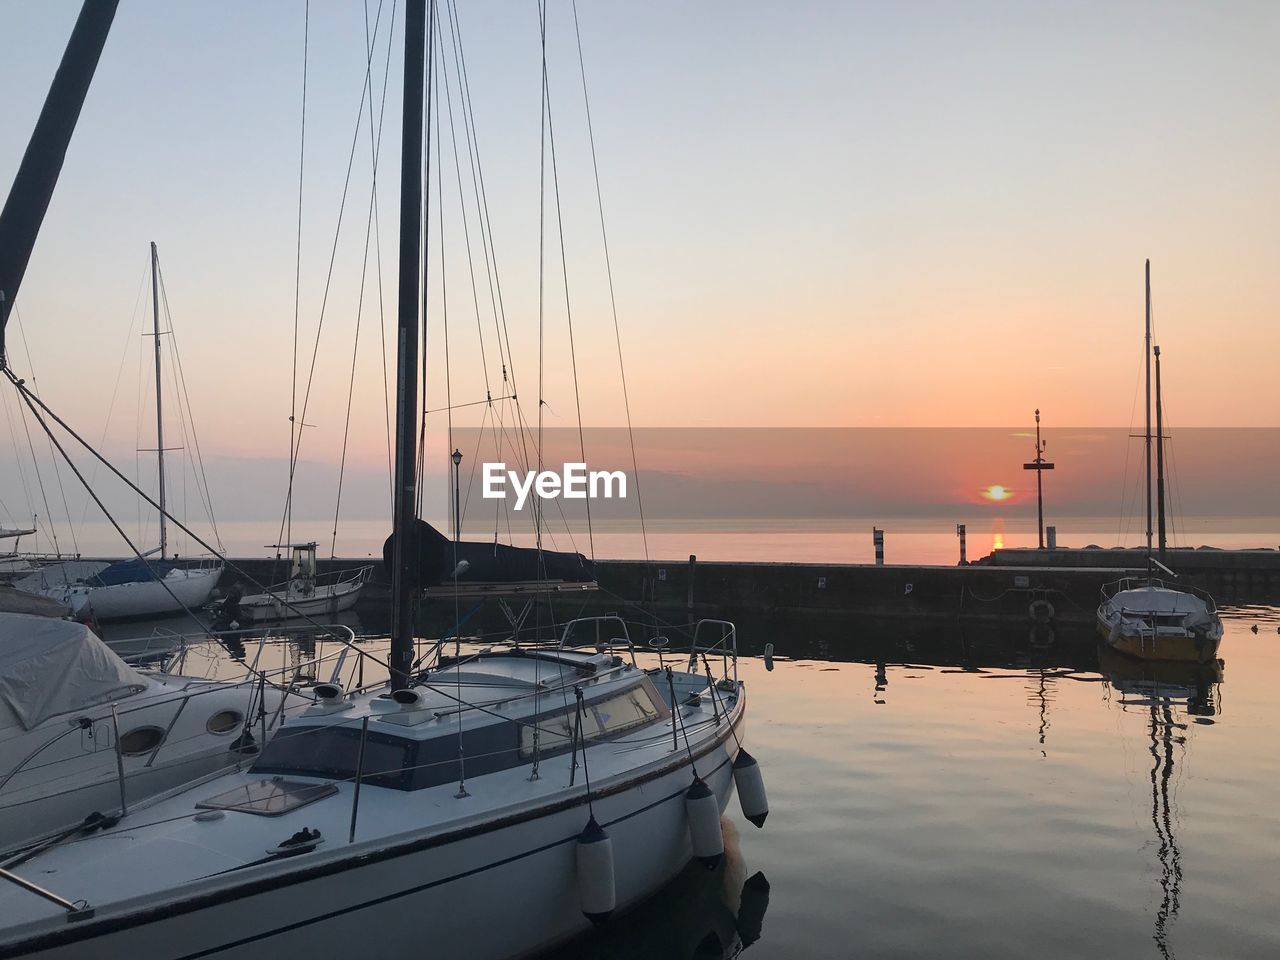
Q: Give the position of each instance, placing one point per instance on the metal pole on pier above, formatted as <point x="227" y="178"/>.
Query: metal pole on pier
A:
<point x="877" y="537"/>
<point x="964" y="558"/>
<point x="1039" y="465"/>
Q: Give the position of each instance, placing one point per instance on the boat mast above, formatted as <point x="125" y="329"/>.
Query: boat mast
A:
<point x="1159" y="461"/>
<point x="1147" y="411"/>
<point x="155" y="332"/>
<point x="37" y="175"/>
<point x="404" y="558"/>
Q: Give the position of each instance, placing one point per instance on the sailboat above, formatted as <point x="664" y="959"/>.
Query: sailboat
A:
<point x="486" y="805"/>
<point x="142" y="586"/>
<point x="12" y="563"/>
<point x="1148" y="618"/>
<point x="305" y="593"/>
<point x="97" y="736"/>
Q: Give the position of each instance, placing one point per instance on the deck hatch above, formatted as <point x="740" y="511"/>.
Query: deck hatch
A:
<point x="269" y="798"/>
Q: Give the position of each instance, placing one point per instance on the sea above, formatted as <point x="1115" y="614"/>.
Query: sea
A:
<point x="777" y="540"/>
<point x="943" y="789"/>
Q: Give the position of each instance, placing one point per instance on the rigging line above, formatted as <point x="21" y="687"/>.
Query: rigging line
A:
<point x="364" y="270"/>
<point x="44" y="497"/>
<point x="444" y="321"/>
<point x="568" y="310"/>
<point x="27" y="398"/>
<point x="180" y="377"/>
<point x="115" y="390"/>
<point x="540" y="569"/>
<point x="608" y="265"/>
<point x="13" y="438"/>
<point x="486" y="225"/>
<point x="57" y="473"/>
<point x="429" y="102"/>
<point x="488" y="402"/>
<point x="462" y="207"/>
<point x="294" y="428"/>
<point x="31" y="398"/>
<point x="328" y="284"/>
<point x="477" y="185"/>
<point x="542" y="242"/>
<point x="375" y="148"/>
<point x="475" y="459"/>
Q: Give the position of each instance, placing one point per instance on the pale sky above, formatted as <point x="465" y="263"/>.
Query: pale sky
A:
<point x="820" y="214"/>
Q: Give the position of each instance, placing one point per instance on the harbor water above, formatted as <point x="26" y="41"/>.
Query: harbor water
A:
<point x="960" y="791"/>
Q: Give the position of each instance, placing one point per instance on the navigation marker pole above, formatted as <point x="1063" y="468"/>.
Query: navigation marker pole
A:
<point x="1039" y="465"/>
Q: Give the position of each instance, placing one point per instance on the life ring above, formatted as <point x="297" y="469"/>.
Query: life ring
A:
<point x="1040" y="611"/>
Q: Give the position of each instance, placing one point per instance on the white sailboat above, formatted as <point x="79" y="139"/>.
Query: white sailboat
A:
<point x="1149" y="618"/>
<point x="12" y="563"/>
<point x="305" y="594"/>
<point x="142" y="587"/>
<point x="485" y="805"/>
<point x="83" y="735"/>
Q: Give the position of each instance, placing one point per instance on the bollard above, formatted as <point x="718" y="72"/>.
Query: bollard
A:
<point x="1051" y="537"/>
<point x="877" y="535"/>
<point x="964" y="559"/>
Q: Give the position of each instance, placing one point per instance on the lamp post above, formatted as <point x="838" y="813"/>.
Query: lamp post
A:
<point x="457" y="511"/>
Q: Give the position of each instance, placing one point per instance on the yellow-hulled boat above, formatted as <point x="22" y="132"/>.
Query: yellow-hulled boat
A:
<point x="1152" y="621"/>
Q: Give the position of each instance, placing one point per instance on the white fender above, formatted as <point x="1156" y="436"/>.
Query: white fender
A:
<point x="703" y="811"/>
<point x="596" y="893"/>
<point x="749" y="780"/>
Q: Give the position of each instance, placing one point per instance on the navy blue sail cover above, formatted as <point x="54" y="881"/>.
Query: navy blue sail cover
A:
<point x="132" y="571"/>
<point x="486" y="562"/>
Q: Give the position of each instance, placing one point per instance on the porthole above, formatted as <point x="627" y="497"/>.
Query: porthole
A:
<point x="140" y="740"/>
<point x="224" y="721"/>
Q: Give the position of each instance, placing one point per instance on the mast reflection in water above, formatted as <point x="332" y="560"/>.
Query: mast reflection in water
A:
<point x="1162" y="690"/>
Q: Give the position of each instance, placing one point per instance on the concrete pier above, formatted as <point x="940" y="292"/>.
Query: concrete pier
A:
<point x="1231" y="576"/>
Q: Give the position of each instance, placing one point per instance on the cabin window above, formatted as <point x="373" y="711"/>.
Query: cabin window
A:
<point x="224" y="721"/>
<point x="620" y="712"/>
<point x="332" y="753"/>
<point x="140" y="740"/>
<point x="557" y="731"/>
<point x="626" y="710"/>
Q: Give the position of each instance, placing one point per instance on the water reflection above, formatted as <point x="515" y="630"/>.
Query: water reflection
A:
<point x="701" y="915"/>
<point x="960" y="789"/>
<point x="1162" y="691"/>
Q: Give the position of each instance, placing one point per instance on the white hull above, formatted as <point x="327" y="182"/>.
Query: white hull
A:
<point x="323" y="601"/>
<point x="473" y="889"/>
<point x="181" y="588"/>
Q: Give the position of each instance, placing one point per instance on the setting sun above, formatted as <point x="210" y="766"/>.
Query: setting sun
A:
<point x="997" y="492"/>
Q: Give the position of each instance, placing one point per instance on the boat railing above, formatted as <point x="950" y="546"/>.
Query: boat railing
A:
<point x="1109" y="590"/>
<point x="283" y="679"/>
<point x="603" y="642"/>
<point x="349" y="576"/>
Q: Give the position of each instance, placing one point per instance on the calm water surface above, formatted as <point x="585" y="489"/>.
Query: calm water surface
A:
<point x="1004" y="800"/>
<point x="956" y="792"/>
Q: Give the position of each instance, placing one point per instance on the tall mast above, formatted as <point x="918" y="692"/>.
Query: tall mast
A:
<point x="1147" y="411"/>
<point x="411" y="225"/>
<point x="155" y="332"/>
<point x="37" y="175"/>
<point x="1159" y="460"/>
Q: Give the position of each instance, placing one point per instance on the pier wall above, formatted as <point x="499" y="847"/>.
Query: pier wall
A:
<point x="1231" y="576"/>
